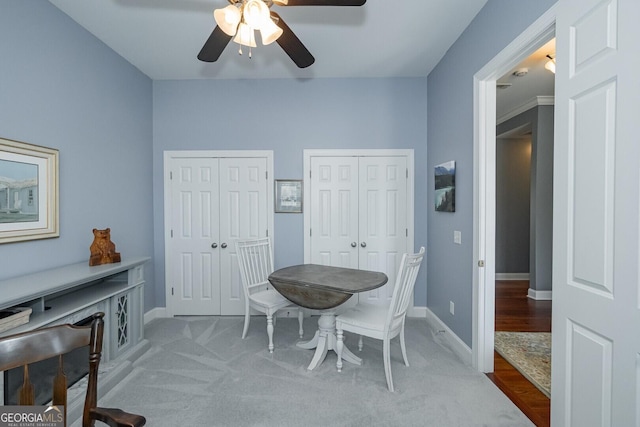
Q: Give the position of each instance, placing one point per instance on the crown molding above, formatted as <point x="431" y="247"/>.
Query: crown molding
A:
<point x="533" y="102"/>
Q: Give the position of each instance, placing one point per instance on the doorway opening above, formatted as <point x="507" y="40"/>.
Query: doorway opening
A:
<point x="523" y="242"/>
<point x="483" y="329"/>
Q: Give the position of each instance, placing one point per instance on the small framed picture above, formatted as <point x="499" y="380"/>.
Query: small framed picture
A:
<point x="445" y="177"/>
<point x="288" y="195"/>
<point x="28" y="192"/>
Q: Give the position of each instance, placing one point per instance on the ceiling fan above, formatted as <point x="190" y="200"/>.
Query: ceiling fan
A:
<point x="241" y="18"/>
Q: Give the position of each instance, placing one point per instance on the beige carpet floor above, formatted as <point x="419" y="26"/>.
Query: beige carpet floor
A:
<point x="529" y="353"/>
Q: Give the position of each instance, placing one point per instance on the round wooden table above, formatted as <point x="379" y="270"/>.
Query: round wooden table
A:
<point x="324" y="288"/>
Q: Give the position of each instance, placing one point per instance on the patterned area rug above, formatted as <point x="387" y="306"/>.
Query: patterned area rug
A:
<point x="529" y="353"/>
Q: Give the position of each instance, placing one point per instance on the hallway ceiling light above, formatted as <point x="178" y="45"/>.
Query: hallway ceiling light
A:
<point x="551" y="64"/>
<point x="521" y="72"/>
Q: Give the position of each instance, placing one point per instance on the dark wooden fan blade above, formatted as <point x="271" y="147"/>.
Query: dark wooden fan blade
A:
<point x="292" y="45"/>
<point x="323" y="3"/>
<point x="214" y="45"/>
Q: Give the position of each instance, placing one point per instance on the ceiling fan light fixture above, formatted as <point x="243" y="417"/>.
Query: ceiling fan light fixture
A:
<point x="245" y="36"/>
<point x="228" y="19"/>
<point x="242" y="18"/>
<point x="270" y="32"/>
<point x="256" y="13"/>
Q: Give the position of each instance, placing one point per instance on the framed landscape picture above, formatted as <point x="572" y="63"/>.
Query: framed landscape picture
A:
<point x="288" y="196"/>
<point x="28" y="192"/>
<point x="445" y="178"/>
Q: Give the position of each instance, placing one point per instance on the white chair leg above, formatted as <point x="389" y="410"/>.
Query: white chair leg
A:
<point x="339" y="348"/>
<point x="386" y="353"/>
<point x="300" y="321"/>
<point x="270" y="331"/>
<point x="360" y="343"/>
<point x="403" y="346"/>
<point x="247" y="318"/>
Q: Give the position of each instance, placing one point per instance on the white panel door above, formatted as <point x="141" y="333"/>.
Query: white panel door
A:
<point x="596" y="315"/>
<point x="195" y="285"/>
<point x="358" y="215"/>
<point x="334" y="211"/>
<point x="243" y="215"/>
<point x="383" y="220"/>
<point x="212" y="202"/>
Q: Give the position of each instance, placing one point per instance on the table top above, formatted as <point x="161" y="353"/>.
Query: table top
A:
<point x="323" y="287"/>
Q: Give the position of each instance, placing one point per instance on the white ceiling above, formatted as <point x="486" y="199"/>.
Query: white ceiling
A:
<point x="380" y="39"/>
<point x="537" y="81"/>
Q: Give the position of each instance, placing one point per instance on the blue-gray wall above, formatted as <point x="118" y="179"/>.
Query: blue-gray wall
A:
<point x="450" y="137"/>
<point x="287" y="116"/>
<point x="513" y="194"/>
<point x="62" y="88"/>
<point x="540" y="121"/>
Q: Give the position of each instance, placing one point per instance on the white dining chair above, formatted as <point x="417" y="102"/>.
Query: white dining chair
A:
<point x="382" y="322"/>
<point x="255" y="260"/>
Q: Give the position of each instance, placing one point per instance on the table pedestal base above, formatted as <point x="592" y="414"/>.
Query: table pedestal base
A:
<point x="325" y="340"/>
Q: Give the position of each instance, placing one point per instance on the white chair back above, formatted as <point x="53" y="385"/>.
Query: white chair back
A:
<point x="255" y="259"/>
<point x="403" y="291"/>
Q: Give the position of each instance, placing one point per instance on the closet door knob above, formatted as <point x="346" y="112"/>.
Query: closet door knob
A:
<point x="363" y="244"/>
<point x="223" y="246"/>
<point x="354" y="244"/>
<point x="214" y="245"/>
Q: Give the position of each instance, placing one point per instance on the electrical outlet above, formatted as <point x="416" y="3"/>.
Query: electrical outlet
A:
<point x="457" y="237"/>
<point x="451" y="308"/>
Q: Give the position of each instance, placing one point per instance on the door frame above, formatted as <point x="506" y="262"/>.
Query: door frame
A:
<point x="217" y="154"/>
<point x="484" y="193"/>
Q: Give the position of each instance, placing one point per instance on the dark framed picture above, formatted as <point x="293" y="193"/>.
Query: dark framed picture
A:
<point x="445" y="177"/>
<point x="28" y="192"/>
<point x="288" y="196"/>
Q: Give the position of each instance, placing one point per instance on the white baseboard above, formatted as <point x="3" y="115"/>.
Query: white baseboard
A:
<point x="512" y="276"/>
<point x="161" y="312"/>
<point x="455" y="344"/>
<point x="155" y="313"/>
<point x="539" y="295"/>
<point x="289" y="312"/>
<point x="420" y="312"/>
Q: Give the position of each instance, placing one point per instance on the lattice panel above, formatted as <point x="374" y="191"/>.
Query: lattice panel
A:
<point x="122" y="314"/>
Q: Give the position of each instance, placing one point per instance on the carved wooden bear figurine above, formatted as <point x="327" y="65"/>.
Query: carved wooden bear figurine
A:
<point x="103" y="250"/>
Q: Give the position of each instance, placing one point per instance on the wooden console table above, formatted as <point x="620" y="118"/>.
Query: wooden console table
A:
<point x="71" y="293"/>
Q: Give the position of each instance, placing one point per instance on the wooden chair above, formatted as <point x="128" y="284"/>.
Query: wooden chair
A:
<point x="380" y="322"/>
<point x="29" y="347"/>
<point x="255" y="259"/>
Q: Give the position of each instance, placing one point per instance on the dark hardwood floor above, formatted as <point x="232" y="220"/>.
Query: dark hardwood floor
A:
<point x="518" y="313"/>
